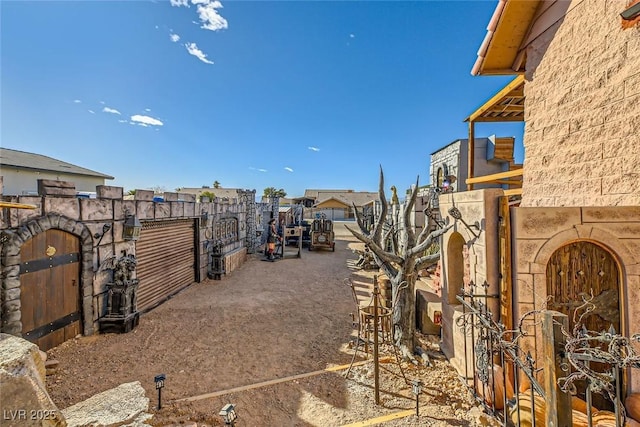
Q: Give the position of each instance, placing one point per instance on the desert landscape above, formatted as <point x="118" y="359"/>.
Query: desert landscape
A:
<point x="257" y="339"/>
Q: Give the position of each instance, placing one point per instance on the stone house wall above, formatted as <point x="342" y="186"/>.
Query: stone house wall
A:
<point x="582" y="112"/>
<point x="85" y="218"/>
<point x="538" y="233"/>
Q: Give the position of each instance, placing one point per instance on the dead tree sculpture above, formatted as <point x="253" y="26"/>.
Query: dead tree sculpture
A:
<point x="401" y="263"/>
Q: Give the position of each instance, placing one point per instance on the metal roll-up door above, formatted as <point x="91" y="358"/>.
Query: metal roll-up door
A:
<point x="166" y="260"/>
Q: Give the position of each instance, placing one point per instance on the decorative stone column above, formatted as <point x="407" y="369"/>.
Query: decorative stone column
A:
<point x="122" y="313"/>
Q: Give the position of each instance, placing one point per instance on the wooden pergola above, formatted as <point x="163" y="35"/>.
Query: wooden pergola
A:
<point x="505" y="106"/>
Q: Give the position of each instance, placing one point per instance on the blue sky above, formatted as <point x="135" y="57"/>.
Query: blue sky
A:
<point x="283" y="94"/>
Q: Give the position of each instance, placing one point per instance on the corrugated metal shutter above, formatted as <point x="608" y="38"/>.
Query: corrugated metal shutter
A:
<point x="166" y="260"/>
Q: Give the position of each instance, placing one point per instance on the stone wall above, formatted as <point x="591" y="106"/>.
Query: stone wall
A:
<point x="87" y="218"/>
<point x="583" y="110"/>
<point x="539" y="232"/>
<point x="455" y="157"/>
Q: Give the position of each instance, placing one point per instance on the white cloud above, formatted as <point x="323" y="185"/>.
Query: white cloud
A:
<point x="209" y="16"/>
<point x="147" y="109"/>
<point x="76" y="101"/>
<point x="313" y="148"/>
<point x="353" y="36"/>
<point x="145" y="120"/>
<point x="288" y="169"/>
<point x="262" y="170"/>
<point x="123" y="121"/>
<point x="207" y="12"/>
<point x="192" y="48"/>
<point x="91" y="111"/>
<point x="110" y="110"/>
<point x="102" y="102"/>
<point x="174" y="37"/>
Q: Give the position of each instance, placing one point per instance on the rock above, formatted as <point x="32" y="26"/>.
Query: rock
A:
<point x="43" y="355"/>
<point x="126" y="403"/>
<point x="51" y="363"/>
<point x="25" y="400"/>
<point x="483" y="420"/>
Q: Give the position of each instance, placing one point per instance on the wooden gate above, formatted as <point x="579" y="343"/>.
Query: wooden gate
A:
<point x="50" y="288"/>
<point x="582" y="270"/>
<point x="166" y="254"/>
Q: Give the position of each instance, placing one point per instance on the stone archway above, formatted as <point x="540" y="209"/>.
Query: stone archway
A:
<point x="10" y="294"/>
<point x="456" y="270"/>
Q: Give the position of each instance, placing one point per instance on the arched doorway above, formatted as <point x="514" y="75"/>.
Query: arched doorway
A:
<point x="584" y="270"/>
<point x="455" y="267"/>
<point x="50" y="294"/>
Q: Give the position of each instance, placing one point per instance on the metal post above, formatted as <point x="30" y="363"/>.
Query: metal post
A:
<point x="159" y="399"/>
<point x="417" y="405"/>
<point x="376" y="367"/>
<point x="557" y="402"/>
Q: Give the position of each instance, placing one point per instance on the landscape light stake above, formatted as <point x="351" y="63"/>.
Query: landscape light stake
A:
<point x="416" y="388"/>
<point x="228" y="414"/>
<point x="159" y="380"/>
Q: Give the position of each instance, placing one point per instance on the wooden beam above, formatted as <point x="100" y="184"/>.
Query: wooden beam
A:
<point x="16" y="205"/>
<point x="518" y="118"/>
<point x="471" y="154"/>
<point x="504" y="92"/>
<point x="513" y="192"/>
<point x="382" y="419"/>
<point x="277" y="381"/>
<point x="495" y="176"/>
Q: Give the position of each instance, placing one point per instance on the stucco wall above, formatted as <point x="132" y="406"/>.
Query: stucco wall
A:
<point x="582" y="138"/>
<point x="478" y="263"/>
<point x="24" y="182"/>
<point x="539" y="232"/>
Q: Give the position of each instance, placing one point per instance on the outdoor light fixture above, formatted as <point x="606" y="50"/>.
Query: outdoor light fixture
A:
<point x="457" y="215"/>
<point x="105" y="228"/>
<point x="132" y="227"/>
<point x="632" y="12"/>
<point x="159" y="380"/>
<point x="228" y="414"/>
<point x="416" y="388"/>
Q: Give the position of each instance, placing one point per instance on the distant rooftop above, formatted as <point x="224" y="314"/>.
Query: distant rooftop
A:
<point x="24" y="160"/>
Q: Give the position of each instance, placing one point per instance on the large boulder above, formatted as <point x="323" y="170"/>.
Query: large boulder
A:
<point x="25" y="401"/>
<point x="125" y="404"/>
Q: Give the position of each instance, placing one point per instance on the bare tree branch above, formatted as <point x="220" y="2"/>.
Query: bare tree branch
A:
<point x="426" y="261"/>
<point x="385" y="256"/>
<point x="359" y="220"/>
<point x="429" y="240"/>
<point x="377" y="231"/>
<point x="411" y="235"/>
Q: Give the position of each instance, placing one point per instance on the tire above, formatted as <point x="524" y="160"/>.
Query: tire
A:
<point x="333" y="247"/>
<point x="310" y="248"/>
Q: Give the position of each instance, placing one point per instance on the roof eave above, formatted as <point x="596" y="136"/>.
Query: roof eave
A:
<point x="506" y="31"/>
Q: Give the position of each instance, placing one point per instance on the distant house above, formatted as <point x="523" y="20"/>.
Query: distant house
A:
<point x="338" y="204"/>
<point x="220" y="193"/>
<point x="21" y="171"/>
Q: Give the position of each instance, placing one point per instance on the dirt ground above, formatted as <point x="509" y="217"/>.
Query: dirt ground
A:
<point x="263" y="322"/>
